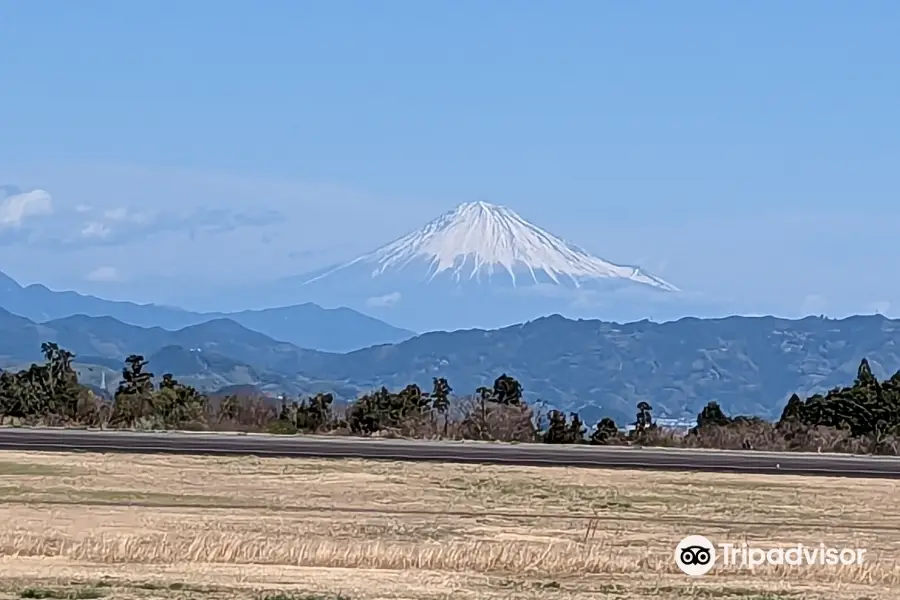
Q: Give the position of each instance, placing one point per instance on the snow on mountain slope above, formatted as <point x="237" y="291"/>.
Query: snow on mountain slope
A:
<point x="477" y="241"/>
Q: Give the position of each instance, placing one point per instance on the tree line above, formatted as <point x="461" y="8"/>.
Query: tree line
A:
<point x="863" y="417"/>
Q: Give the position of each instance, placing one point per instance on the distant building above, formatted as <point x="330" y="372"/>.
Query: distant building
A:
<point x="676" y="424"/>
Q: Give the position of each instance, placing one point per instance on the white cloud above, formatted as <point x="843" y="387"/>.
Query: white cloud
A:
<point x="95" y="230"/>
<point x="103" y="274"/>
<point x="385" y="301"/>
<point x="18" y="207"/>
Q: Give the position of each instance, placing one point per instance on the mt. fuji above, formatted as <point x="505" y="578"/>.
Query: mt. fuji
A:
<point x="490" y="244"/>
<point x="479" y="265"/>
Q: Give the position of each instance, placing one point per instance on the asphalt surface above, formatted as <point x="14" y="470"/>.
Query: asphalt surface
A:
<point x="659" y="459"/>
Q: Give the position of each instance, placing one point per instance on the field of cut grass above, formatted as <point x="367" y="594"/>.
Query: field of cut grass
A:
<point x="120" y="526"/>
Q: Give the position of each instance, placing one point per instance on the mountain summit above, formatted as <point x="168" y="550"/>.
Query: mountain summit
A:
<point x="492" y="244"/>
<point x="478" y="265"/>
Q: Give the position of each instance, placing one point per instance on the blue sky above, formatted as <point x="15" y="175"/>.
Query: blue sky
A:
<point x="746" y="151"/>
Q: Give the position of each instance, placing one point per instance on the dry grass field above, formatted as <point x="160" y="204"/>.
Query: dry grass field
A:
<point x="117" y="526"/>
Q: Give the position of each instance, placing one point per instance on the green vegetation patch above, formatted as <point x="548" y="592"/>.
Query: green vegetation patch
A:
<point x="9" y="492"/>
<point x="78" y="593"/>
<point x="14" y="469"/>
<point x="65" y="495"/>
<point x="148" y="498"/>
<point x="175" y="586"/>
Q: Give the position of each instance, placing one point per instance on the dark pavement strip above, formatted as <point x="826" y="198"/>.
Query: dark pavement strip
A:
<point x="77" y="440"/>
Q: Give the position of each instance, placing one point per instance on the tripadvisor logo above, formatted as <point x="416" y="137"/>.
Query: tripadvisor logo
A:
<point x="695" y="555"/>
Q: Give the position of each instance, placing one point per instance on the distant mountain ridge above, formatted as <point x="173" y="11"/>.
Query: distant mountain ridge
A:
<point x="305" y="325"/>
<point x="749" y="365"/>
<point x="210" y="355"/>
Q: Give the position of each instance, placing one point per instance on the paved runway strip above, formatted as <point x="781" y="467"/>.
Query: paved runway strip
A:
<point x="75" y="440"/>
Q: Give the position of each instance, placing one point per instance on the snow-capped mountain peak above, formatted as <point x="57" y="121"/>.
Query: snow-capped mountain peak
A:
<point x="479" y="241"/>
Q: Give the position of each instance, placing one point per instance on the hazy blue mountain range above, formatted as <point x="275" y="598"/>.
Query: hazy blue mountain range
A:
<point x="210" y="355"/>
<point x="305" y="325"/>
<point x="749" y="365"/>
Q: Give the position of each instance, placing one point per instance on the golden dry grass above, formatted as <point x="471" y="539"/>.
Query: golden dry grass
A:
<point x="138" y="525"/>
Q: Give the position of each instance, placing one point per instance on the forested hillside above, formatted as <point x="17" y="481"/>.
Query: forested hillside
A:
<point x="864" y="416"/>
<point x="747" y="365"/>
